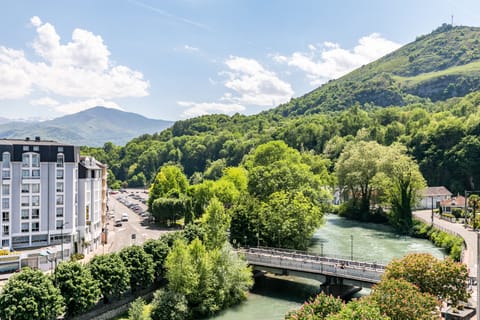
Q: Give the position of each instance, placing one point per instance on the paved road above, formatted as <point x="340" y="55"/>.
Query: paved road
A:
<point x="470" y="237"/>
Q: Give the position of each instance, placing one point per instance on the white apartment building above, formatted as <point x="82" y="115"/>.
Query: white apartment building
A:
<point x="49" y="193"/>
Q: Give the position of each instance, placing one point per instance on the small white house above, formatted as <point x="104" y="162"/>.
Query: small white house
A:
<point x="431" y="197"/>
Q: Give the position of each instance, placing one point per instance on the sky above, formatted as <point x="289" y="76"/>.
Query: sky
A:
<point x="174" y="60"/>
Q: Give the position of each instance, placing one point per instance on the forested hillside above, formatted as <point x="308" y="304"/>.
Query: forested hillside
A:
<point x="414" y="96"/>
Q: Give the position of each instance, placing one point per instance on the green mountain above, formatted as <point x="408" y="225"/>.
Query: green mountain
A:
<point x="92" y="127"/>
<point x="435" y="67"/>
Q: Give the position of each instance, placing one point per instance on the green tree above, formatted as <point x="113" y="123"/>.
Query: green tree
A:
<point x="30" y="295"/>
<point x="289" y="220"/>
<point x="77" y="286"/>
<point x="137" y="310"/>
<point x="402" y="181"/>
<point x="169" y="305"/>
<point x="140" y="267"/>
<point x="158" y="250"/>
<point x="111" y="274"/>
<point x="169" y="181"/>
<point x="215" y="222"/>
<point x="445" y="279"/>
<point x="356" y="168"/>
<point x="316" y="309"/>
<point x="180" y="270"/>
<point x="401" y="300"/>
<point x="474" y="203"/>
<point x="362" y="309"/>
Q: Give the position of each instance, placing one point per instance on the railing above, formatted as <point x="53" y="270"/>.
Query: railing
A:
<point x="309" y="263"/>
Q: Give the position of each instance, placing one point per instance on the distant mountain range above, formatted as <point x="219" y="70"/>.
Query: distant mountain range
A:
<point x="92" y="127"/>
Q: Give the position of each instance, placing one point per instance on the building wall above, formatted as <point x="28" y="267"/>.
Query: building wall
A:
<point x="41" y="201"/>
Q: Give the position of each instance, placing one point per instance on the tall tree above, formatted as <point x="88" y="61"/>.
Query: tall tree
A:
<point x="30" y="295"/>
<point x="140" y="267"/>
<point x="215" y="222"/>
<point x="170" y="181"/>
<point x="111" y="274"/>
<point x="79" y="290"/>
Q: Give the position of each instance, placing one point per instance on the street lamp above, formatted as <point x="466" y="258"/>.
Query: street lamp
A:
<point x="351" y="247"/>
<point x="61" y="235"/>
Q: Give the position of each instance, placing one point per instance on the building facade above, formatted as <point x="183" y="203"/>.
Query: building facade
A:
<point x="41" y="189"/>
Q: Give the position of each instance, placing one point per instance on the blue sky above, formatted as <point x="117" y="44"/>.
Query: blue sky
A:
<point x="178" y="59"/>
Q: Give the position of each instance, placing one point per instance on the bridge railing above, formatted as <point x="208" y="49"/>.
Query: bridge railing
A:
<point x="370" y="273"/>
<point x="327" y="258"/>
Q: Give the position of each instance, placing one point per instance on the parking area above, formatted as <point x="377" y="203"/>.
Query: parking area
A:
<point x="129" y="221"/>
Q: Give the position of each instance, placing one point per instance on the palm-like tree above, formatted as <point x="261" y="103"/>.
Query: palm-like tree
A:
<point x="474" y="203"/>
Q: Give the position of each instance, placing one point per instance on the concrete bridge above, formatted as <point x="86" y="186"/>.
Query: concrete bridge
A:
<point x="329" y="270"/>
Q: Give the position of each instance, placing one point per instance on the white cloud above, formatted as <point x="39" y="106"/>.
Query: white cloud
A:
<point x="255" y="85"/>
<point x="333" y="61"/>
<point x="45" y="101"/>
<point x="190" y="48"/>
<point x="195" y="109"/>
<point x="80" y="68"/>
<point x="77" y="106"/>
<point x="249" y="84"/>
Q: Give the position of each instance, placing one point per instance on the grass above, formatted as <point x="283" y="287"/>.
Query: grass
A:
<point x="466" y="69"/>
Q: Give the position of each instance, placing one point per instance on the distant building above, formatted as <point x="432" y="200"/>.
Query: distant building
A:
<point x="432" y="196"/>
<point x="457" y="202"/>
<point x="48" y="193"/>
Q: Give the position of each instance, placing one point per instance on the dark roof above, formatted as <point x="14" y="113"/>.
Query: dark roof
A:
<point x="435" y="191"/>
<point x="31" y="142"/>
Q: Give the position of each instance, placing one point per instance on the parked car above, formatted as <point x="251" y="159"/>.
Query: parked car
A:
<point x="118" y="223"/>
<point x="125" y="217"/>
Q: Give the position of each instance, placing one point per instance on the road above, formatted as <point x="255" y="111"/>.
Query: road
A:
<point x="470" y="252"/>
<point x="134" y="231"/>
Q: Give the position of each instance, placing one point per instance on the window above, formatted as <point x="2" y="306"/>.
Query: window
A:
<point x="35" y="226"/>
<point x="59" y="224"/>
<point x="25" y="188"/>
<point x="35" y="201"/>
<point x="25" y="160"/>
<point x="6" y="174"/>
<point x="5" y="216"/>
<point x="26" y="148"/>
<point x="59" y="199"/>
<point x="60" y="149"/>
<point x="5" y="190"/>
<point x="36" y="148"/>
<point x="25" y="214"/>
<point x="59" y="174"/>
<point x="25" y="173"/>
<point x="25" y="227"/>
<point x="35" y="213"/>
<point x="6" y="160"/>
<point x="36" y="188"/>
<point x="59" y="187"/>
<point x="6" y="230"/>
<point x="35" y="160"/>
<point x="36" y="173"/>
<point x="60" y="159"/>
<point x="5" y="203"/>
<point x="25" y="201"/>
<point x="59" y="212"/>
<point x="6" y="243"/>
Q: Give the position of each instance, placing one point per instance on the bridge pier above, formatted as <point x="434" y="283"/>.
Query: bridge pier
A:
<point x="334" y="286"/>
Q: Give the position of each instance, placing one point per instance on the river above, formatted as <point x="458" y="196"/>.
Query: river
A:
<point x="271" y="297"/>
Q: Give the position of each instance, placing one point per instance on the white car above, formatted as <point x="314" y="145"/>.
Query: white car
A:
<point x="125" y="217"/>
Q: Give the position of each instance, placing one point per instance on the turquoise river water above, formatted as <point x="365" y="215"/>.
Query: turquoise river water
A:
<point x="272" y="297"/>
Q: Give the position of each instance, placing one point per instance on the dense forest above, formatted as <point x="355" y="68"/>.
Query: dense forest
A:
<point x="442" y="137"/>
<point x="424" y="96"/>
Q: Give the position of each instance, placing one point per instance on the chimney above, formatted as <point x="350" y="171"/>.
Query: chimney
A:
<point x="27" y="139"/>
<point x="37" y="138"/>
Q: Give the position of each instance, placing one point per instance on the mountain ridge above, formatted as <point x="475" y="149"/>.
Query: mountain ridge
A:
<point x="92" y="127"/>
<point x="435" y="67"/>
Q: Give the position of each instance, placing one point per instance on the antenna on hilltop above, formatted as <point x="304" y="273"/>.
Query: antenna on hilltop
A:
<point x="452" y="20"/>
